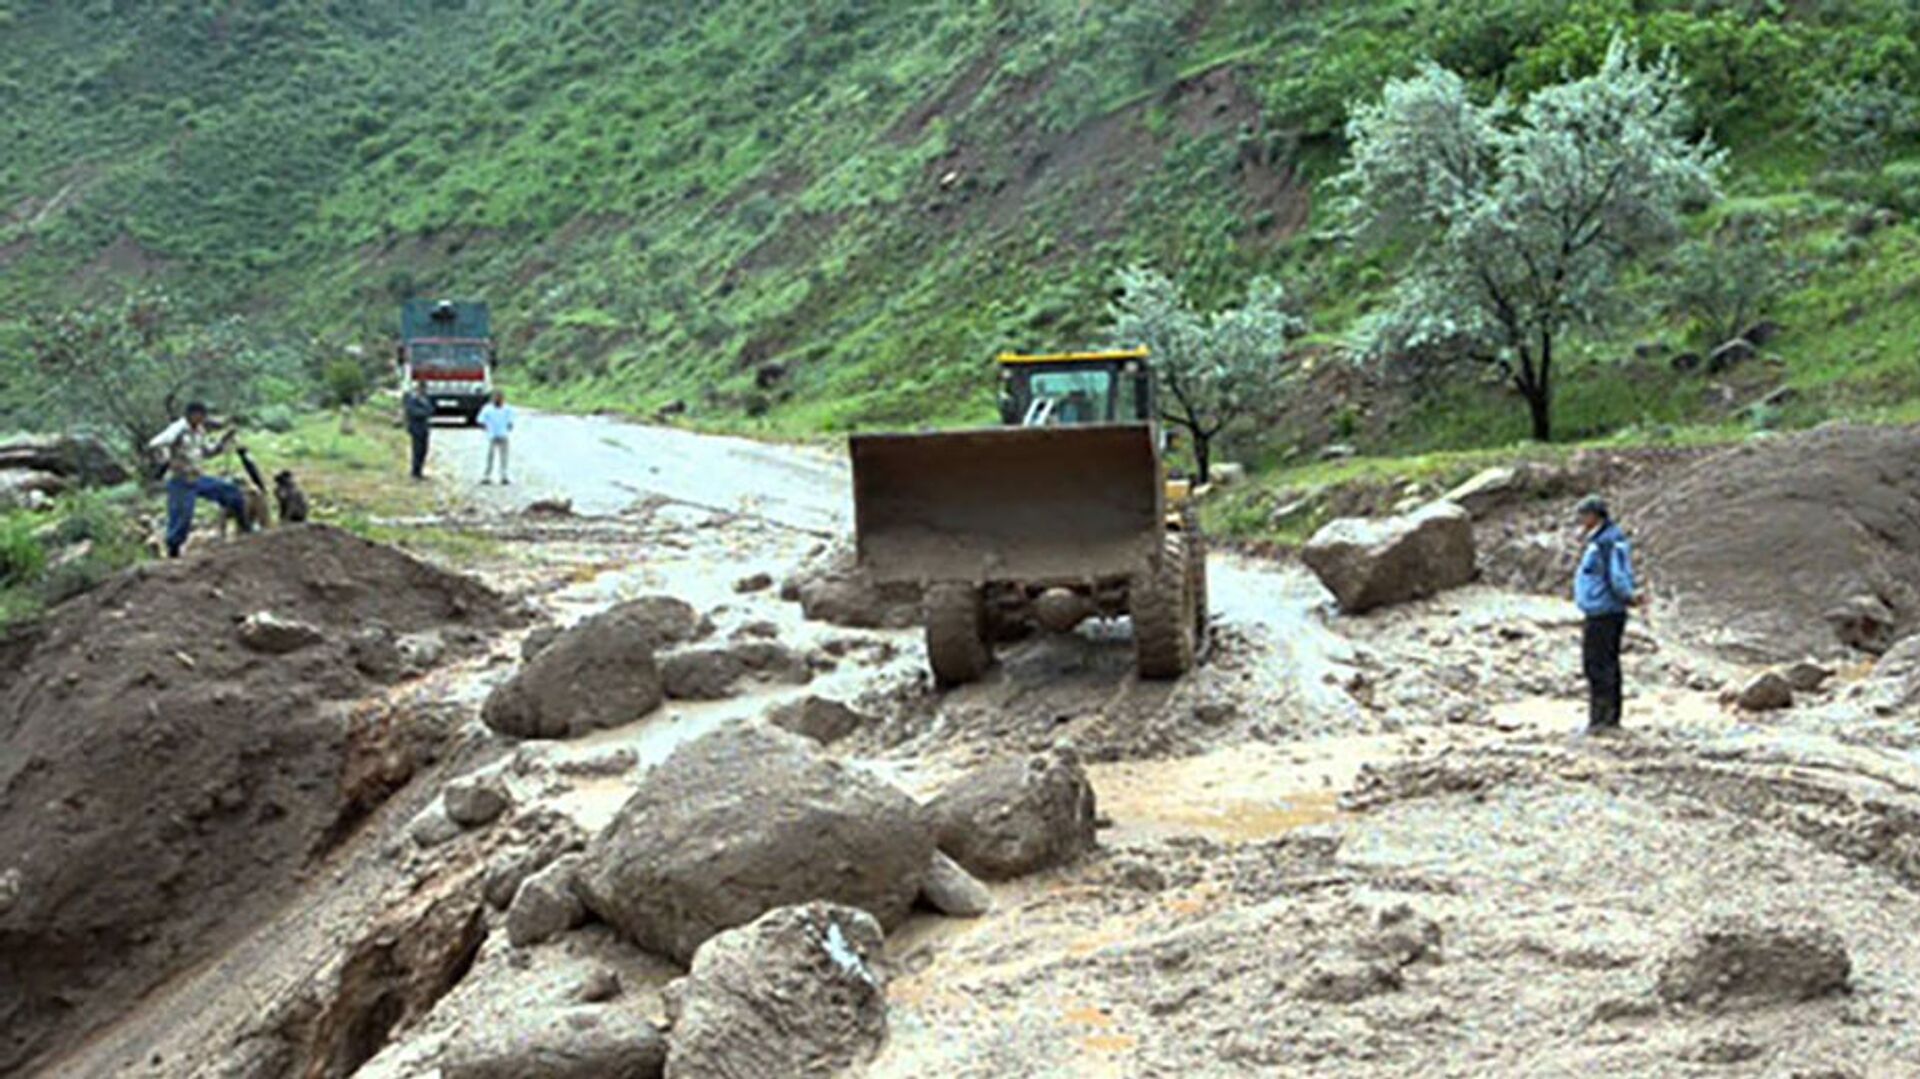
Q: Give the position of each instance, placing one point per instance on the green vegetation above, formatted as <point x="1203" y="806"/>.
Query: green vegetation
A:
<point x="824" y="216"/>
<point x="54" y="555"/>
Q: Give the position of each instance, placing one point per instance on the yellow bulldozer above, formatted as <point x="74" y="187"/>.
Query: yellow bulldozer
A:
<point x="1062" y="513"/>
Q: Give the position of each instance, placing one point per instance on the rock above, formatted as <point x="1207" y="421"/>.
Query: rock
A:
<point x="1863" y="622"/>
<point x="833" y="589"/>
<point x="950" y="889"/>
<point x="825" y="721"/>
<point x="432" y="827"/>
<point x="1769" y="691"/>
<point x="597" y="984"/>
<point x="1337" y="981"/>
<point x="797" y="993"/>
<point x="709" y="673"/>
<point x="537" y="641"/>
<point x="475" y="801"/>
<point x="549" y="507"/>
<point x="1017" y="817"/>
<point x="1685" y="363"/>
<point x="756" y="582"/>
<point x="420" y="652"/>
<point x="547" y="904"/>
<point x="1807" y="676"/>
<point x="1490" y="488"/>
<point x="79" y="459"/>
<point x="1227" y="474"/>
<point x="10" y="883"/>
<point x="596" y="1041"/>
<point x="1338" y="451"/>
<point x="599" y="673"/>
<point x="1368" y="563"/>
<point x="744" y="820"/>
<point x="270" y="634"/>
<point x="1729" y="355"/>
<point x="1740" y="961"/>
<point x="551" y="836"/>
<point x="1763" y="331"/>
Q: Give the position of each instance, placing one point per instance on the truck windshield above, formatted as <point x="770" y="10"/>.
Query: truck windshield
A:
<point x="450" y="354"/>
<point x="1069" y="397"/>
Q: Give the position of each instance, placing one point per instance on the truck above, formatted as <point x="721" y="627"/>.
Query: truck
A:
<point x="448" y="345"/>
<point x="1064" y="512"/>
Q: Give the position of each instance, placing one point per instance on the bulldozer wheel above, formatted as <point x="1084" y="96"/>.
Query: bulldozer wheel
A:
<point x="1196" y="545"/>
<point x="957" y="647"/>
<point x="1163" y="619"/>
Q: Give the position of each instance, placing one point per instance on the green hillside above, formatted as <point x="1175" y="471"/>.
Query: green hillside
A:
<point x="830" y="214"/>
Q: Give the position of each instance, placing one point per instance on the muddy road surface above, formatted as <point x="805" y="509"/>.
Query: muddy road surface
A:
<point x="1367" y="846"/>
<point x="603" y="465"/>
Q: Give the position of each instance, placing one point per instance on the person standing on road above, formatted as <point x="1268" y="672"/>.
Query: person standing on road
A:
<point x="419" y="411"/>
<point x="1604" y="588"/>
<point x="497" y="418"/>
<point x="188" y="443"/>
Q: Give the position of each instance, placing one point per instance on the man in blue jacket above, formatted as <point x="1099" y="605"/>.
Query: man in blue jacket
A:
<point x="1604" y="588"/>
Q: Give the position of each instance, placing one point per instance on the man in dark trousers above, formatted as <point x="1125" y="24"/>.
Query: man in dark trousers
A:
<point x="419" y="409"/>
<point x="187" y="444"/>
<point x="1604" y="588"/>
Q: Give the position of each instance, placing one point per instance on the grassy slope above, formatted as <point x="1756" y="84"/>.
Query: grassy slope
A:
<point x="830" y="216"/>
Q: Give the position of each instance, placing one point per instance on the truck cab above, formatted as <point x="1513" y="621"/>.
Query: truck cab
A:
<point x="448" y="346"/>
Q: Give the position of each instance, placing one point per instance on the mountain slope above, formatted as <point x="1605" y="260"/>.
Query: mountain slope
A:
<point x="835" y="213"/>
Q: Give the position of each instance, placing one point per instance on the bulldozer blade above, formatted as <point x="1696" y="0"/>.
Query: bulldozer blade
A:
<point x="1007" y="504"/>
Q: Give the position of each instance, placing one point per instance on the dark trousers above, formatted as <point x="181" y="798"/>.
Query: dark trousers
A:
<point x="418" y="433"/>
<point x="182" y="494"/>
<point x="1600" y="656"/>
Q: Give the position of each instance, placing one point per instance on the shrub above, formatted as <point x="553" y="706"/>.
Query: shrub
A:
<point x="346" y="382"/>
<point x="22" y="557"/>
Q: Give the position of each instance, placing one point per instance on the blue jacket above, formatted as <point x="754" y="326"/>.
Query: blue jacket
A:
<point x="1604" y="582"/>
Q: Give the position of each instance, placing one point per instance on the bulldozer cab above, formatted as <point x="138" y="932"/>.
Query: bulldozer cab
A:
<point x="1074" y="388"/>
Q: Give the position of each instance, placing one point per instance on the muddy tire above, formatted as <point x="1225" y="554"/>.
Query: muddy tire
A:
<point x="957" y="647"/>
<point x="1196" y="543"/>
<point x="1161" y="602"/>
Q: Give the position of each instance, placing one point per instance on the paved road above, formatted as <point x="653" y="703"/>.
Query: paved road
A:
<point x="606" y="465"/>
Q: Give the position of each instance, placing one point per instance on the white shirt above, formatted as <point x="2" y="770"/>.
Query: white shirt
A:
<point x="497" y="419"/>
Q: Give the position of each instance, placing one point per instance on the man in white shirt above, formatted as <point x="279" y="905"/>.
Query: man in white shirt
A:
<point x="497" y="418"/>
<point x="188" y="443"/>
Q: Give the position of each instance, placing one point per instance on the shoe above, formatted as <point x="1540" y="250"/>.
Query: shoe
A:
<point x="486" y="481"/>
<point x="505" y="483"/>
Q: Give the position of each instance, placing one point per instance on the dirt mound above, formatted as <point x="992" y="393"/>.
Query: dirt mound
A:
<point x="161" y="783"/>
<point x="1752" y="547"/>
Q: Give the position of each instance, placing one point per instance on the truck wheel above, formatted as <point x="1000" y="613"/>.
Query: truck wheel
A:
<point x="1196" y="542"/>
<point x="957" y="647"/>
<point x="1161" y="600"/>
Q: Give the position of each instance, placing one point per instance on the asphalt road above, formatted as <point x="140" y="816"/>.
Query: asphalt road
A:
<point x="605" y="465"/>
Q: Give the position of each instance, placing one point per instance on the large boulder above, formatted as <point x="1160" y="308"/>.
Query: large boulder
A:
<point x="1373" y="562"/>
<point x="1489" y="489"/>
<point x="744" y="820"/>
<point x="83" y="459"/>
<point x="593" y="1041"/>
<point x="1017" y="817"/>
<point x="796" y="993"/>
<point x="1731" y="961"/>
<point x="599" y="673"/>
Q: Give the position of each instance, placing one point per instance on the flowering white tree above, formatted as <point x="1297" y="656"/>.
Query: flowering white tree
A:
<point x="1521" y="217"/>
<point x="1213" y="369"/>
